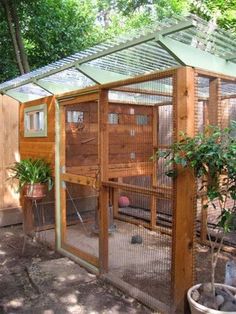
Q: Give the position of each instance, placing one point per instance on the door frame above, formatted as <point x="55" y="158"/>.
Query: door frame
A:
<point x="68" y="177"/>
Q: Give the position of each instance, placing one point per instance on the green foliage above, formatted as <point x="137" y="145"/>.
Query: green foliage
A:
<point x="223" y="10"/>
<point x="212" y="156"/>
<point x="8" y="66"/>
<point x="53" y="29"/>
<point x="50" y="29"/>
<point x="30" y="171"/>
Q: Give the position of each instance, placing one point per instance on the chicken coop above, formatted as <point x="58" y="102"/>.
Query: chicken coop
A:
<point x="100" y="117"/>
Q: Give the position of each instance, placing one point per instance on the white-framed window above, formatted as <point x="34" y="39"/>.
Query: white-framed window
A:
<point x="75" y="116"/>
<point x="35" y="121"/>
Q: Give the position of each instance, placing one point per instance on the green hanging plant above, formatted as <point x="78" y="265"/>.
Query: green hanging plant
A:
<point x="212" y="157"/>
<point x="31" y="171"/>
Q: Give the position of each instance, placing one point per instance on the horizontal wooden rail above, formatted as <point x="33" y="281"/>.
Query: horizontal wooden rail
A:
<point x="78" y="179"/>
<point x="161" y="192"/>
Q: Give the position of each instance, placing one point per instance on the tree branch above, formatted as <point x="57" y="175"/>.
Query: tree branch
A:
<point x="20" y="43"/>
<point x="13" y="35"/>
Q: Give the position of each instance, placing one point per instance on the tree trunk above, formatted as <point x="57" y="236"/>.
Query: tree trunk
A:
<point x="13" y="35"/>
<point x="20" y="43"/>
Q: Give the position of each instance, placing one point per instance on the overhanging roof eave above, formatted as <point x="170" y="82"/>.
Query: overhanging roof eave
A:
<point x="194" y="57"/>
<point x="84" y="59"/>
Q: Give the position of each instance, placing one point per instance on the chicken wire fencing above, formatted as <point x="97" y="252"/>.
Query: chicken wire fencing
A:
<point x="140" y="123"/>
<point x="216" y="105"/>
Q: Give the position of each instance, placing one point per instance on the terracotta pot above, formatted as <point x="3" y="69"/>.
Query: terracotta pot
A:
<point x="197" y="308"/>
<point x="35" y="191"/>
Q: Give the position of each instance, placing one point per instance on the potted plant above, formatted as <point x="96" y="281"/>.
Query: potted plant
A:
<point x="33" y="176"/>
<point x="212" y="157"/>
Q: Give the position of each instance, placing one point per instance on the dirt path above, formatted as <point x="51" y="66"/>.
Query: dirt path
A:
<point x="43" y="282"/>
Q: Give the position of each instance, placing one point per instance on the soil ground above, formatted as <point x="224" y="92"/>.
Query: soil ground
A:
<point x="41" y="281"/>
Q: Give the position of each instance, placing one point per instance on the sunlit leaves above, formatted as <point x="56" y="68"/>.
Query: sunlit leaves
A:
<point x="212" y="156"/>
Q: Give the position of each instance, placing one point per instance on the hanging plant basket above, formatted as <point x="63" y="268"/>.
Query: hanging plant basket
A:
<point x="34" y="177"/>
<point x="35" y="191"/>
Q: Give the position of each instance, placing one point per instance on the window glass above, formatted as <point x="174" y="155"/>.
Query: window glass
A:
<point x="35" y="121"/>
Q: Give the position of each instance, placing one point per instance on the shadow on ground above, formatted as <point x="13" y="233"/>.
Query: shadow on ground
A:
<point x="42" y="281"/>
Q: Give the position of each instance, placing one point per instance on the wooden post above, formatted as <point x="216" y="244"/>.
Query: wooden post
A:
<point x="155" y="127"/>
<point x="214" y="101"/>
<point x="104" y="191"/>
<point x="184" y="210"/>
<point x="62" y="167"/>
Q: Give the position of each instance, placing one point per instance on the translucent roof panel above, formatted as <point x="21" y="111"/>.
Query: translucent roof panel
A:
<point x="28" y="92"/>
<point x="207" y="37"/>
<point x="67" y="80"/>
<point x="162" y="45"/>
<point x="137" y="60"/>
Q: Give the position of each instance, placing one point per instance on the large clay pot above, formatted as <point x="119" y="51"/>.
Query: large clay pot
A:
<point x="197" y="308"/>
<point x="35" y="191"/>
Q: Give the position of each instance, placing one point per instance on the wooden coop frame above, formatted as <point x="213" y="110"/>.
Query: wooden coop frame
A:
<point x="184" y="68"/>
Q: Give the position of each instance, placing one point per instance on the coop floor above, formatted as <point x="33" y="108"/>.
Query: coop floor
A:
<point x="145" y="266"/>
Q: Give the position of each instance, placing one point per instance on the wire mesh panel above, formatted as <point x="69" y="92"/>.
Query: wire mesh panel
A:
<point x="82" y="227"/>
<point x="81" y="127"/>
<point x="140" y="124"/>
<point x="139" y="256"/>
<point x="228" y="102"/>
<point x="43" y="212"/>
<point x="216" y="105"/>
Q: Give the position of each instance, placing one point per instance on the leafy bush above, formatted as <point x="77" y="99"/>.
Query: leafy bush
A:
<point x="212" y="157"/>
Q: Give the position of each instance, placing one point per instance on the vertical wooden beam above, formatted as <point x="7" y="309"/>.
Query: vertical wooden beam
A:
<point x="57" y="183"/>
<point x="62" y="169"/>
<point x="214" y="101"/>
<point x="184" y="209"/>
<point x="155" y="128"/>
<point x="103" y="192"/>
